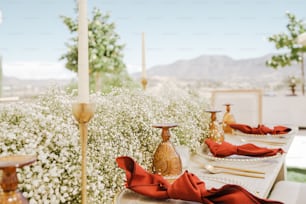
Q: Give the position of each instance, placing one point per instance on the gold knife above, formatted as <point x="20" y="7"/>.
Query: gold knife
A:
<point x="240" y="169"/>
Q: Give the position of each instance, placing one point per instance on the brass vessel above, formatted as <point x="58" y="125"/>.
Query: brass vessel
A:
<point x="9" y="181"/>
<point x="228" y="118"/>
<point x="166" y="160"/>
<point x="216" y="132"/>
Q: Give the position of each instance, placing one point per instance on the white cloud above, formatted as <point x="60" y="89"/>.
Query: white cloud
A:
<point x="37" y="70"/>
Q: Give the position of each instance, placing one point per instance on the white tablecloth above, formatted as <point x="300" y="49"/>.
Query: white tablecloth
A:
<point x="273" y="167"/>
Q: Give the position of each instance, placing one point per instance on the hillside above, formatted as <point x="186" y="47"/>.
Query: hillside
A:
<point x="202" y="72"/>
<point x="223" y="70"/>
<point x="25" y="88"/>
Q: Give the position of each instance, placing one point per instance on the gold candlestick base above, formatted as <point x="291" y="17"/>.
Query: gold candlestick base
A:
<point x="9" y="181"/>
<point x="144" y="83"/>
<point x="215" y="131"/>
<point x="166" y="160"/>
<point x="228" y="119"/>
<point x="83" y="112"/>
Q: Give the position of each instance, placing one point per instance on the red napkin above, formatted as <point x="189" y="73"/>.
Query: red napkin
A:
<point x="260" y="129"/>
<point x="187" y="187"/>
<point x="226" y="149"/>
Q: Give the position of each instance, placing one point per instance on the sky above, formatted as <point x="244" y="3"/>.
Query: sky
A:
<point x="33" y="36"/>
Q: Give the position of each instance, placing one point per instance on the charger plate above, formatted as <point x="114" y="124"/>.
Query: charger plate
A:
<point x="128" y="196"/>
<point x="204" y="152"/>
<point x="237" y="132"/>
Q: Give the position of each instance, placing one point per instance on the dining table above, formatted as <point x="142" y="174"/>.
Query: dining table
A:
<point x="255" y="174"/>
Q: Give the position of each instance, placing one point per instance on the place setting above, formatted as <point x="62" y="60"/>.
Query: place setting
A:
<point x="198" y="180"/>
<point x="262" y="135"/>
<point x="145" y="187"/>
<point x="262" y="130"/>
<point x="226" y="151"/>
<point x="220" y="146"/>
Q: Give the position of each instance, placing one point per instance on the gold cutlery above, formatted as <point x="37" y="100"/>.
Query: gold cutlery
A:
<point x="270" y="142"/>
<point x="213" y="170"/>
<point x="239" y="169"/>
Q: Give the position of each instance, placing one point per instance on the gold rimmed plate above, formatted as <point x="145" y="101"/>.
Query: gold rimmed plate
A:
<point x="282" y="136"/>
<point x="128" y="196"/>
<point x="204" y="152"/>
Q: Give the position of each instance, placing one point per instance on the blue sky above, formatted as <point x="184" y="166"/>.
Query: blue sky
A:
<point x="32" y="35"/>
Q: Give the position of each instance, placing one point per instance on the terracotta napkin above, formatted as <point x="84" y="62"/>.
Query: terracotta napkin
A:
<point x="187" y="187"/>
<point x="260" y="129"/>
<point x="226" y="149"/>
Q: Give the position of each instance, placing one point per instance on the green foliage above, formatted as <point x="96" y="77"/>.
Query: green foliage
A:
<point x="122" y="125"/>
<point x="294" y="51"/>
<point x="105" y="53"/>
<point x="289" y="43"/>
<point x="296" y="174"/>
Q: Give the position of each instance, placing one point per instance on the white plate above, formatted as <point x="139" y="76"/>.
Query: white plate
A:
<point x="237" y="132"/>
<point x="286" y="135"/>
<point x="128" y="196"/>
<point x="203" y="151"/>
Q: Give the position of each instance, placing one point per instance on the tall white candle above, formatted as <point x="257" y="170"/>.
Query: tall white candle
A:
<point x="83" y="65"/>
<point x="144" y="75"/>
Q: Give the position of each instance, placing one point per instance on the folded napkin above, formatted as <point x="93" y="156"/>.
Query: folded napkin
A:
<point x="260" y="129"/>
<point x="187" y="187"/>
<point x="226" y="149"/>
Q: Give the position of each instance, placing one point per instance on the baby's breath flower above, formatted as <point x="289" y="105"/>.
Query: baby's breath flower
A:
<point x="122" y="125"/>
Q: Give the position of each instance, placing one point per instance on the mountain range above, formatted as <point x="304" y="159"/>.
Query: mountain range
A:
<point x="223" y="69"/>
<point x="202" y="71"/>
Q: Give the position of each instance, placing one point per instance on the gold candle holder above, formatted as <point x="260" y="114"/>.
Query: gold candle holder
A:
<point x="228" y="118"/>
<point x="9" y="180"/>
<point x="215" y="131"/>
<point x="166" y="160"/>
<point x="144" y="83"/>
<point x="83" y="112"/>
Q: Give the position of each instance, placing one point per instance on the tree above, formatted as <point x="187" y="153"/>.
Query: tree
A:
<point x="289" y="42"/>
<point x="105" y="53"/>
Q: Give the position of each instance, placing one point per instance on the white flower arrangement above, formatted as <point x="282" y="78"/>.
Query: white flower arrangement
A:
<point x="122" y="125"/>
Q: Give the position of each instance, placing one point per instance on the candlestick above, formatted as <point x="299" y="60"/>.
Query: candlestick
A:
<point x="144" y="81"/>
<point x="144" y="74"/>
<point x="83" y="69"/>
<point x="83" y="113"/>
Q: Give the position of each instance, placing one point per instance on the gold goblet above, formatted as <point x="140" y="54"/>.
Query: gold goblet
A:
<point x="166" y="160"/>
<point x="228" y="119"/>
<point x="215" y="131"/>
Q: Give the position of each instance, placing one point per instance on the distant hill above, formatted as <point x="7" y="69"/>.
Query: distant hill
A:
<point x="26" y="87"/>
<point x="214" y="68"/>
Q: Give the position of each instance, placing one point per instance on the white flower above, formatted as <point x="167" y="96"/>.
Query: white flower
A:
<point x="122" y="125"/>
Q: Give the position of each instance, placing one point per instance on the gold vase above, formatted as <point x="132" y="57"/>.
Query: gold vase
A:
<point x="216" y="132"/>
<point x="166" y="160"/>
<point x="228" y="119"/>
